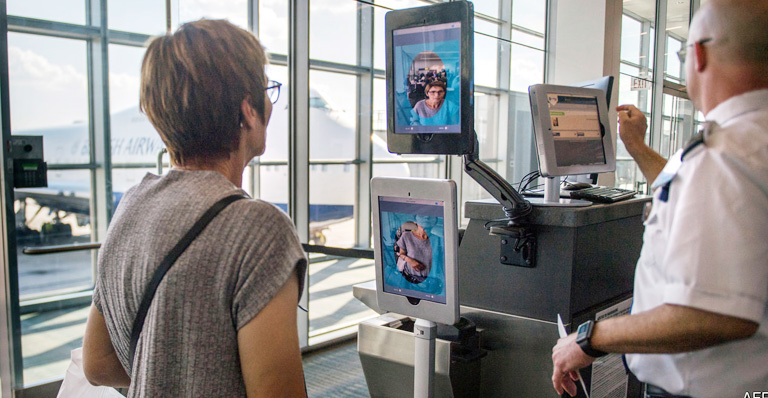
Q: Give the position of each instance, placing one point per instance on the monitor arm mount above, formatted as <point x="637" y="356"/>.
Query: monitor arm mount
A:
<point x="518" y="243"/>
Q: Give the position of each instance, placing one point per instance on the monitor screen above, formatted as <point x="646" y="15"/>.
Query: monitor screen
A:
<point x="572" y="130"/>
<point x="413" y="247"/>
<point x="427" y="79"/>
<point x="576" y="130"/>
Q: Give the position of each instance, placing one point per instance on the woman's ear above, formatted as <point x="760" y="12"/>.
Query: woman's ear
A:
<point x="248" y="115"/>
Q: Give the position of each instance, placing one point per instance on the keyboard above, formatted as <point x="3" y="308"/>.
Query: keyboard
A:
<point x="603" y="194"/>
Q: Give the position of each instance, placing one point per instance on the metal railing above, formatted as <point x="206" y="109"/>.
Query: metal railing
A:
<point x="327" y="250"/>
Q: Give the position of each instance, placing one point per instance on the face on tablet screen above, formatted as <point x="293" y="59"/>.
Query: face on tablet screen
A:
<point x="413" y="247"/>
<point x="427" y="85"/>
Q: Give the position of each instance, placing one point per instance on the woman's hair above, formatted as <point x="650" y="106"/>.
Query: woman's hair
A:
<point x="193" y="84"/>
<point x="435" y="83"/>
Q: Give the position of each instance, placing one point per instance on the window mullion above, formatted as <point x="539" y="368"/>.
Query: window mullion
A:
<point x="364" y="129"/>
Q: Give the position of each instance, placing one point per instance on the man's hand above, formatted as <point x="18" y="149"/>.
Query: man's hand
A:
<point x="568" y="358"/>
<point x="632" y="126"/>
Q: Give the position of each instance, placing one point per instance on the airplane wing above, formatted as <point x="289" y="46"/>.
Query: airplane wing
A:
<point x="58" y="201"/>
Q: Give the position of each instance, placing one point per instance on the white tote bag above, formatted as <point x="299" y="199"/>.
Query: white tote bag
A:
<point x="76" y="385"/>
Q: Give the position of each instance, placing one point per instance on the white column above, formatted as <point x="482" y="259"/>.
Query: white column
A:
<point x="584" y="43"/>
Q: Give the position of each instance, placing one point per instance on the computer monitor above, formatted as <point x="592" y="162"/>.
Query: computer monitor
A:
<point x="429" y="79"/>
<point x="416" y="247"/>
<point x="572" y="132"/>
<point x="604" y="84"/>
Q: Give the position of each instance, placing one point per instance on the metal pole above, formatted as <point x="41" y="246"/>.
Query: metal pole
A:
<point x="298" y="135"/>
<point x="11" y="365"/>
<point x="425" y="333"/>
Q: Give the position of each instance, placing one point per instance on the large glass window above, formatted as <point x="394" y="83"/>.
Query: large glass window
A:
<point x="333" y="31"/>
<point x="487" y="7"/>
<point x="635" y="80"/>
<point x="526" y="67"/>
<point x="509" y="57"/>
<point x="486" y="59"/>
<point x="48" y="83"/>
<point x="334" y="163"/>
<point x="671" y="117"/>
<point x="51" y="78"/>
<point x="140" y="16"/>
<point x="273" y="25"/>
<point x="48" y="87"/>
<point x="235" y="11"/>
<point x="332" y="142"/>
<point x="272" y="174"/>
<point x="69" y="11"/>
<point x="678" y="14"/>
<point x="48" y="79"/>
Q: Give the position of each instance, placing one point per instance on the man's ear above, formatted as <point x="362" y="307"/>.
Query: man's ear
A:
<point x="700" y="53"/>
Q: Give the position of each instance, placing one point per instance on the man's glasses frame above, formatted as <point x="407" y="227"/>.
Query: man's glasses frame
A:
<point x="684" y="51"/>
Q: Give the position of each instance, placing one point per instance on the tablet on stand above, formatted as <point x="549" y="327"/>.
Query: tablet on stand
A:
<point x="416" y="253"/>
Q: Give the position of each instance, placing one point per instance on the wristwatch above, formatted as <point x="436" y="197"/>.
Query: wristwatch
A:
<point x="583" y="335"/>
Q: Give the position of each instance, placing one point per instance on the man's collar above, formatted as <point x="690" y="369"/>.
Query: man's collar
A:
<point x="737" y="105"/>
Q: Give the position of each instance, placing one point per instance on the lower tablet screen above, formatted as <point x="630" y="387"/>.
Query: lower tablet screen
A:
<point x="413" y="247"/>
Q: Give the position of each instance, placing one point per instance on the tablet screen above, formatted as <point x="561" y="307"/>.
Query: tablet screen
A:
<point x="413" y="247"/>
<point x="427" y="66"/>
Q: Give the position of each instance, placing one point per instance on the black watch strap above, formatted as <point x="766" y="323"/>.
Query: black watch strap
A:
<point x="587" y="348"/>
<point x="583" y="339"/>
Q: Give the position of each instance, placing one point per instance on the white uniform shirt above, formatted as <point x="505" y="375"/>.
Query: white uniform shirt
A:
<point x="707" y="248"/>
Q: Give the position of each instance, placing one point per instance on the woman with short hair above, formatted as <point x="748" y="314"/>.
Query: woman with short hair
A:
<point x="223" y="320"/>
<point x="435" y="109"/>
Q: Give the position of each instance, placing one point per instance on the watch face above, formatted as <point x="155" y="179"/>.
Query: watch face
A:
<point x="584" y="331"/>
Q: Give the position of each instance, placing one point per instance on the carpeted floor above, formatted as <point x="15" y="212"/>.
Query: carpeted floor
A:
<point x="335" y="372"/>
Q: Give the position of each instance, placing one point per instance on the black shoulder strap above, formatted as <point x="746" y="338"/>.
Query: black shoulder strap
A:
<point x="170" y="258"/>
<point x="707" y="129"/>
<point x="696" y="140"/>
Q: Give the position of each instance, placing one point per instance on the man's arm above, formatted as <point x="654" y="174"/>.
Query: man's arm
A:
<point x="665" y="329"/>
<point x="100" y="363"/>
<point x="270" y="357"/>
<point x="632" y="126"/>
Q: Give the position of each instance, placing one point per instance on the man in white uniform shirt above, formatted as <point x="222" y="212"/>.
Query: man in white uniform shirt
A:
<point x="699" y="322"/>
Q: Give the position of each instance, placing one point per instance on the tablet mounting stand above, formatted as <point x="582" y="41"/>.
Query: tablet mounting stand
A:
<point x="424" y="358"/>
<point x="518" y="244"/>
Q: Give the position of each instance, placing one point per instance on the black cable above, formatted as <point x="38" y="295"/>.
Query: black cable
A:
<point x="526" y="177"/>
<point x="537" y="186"/>
<point x="522" y="213"/>
<point x="496" y="222"/>
<point x="530" y="177"/>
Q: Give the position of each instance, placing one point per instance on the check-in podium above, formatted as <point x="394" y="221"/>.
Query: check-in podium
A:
<point x="584" y="269"/>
